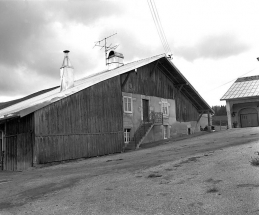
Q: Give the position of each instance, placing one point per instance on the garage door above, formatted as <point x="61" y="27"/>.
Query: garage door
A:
<point x="249" y="120"/>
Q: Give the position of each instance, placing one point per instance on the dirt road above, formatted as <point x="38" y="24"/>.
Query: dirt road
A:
<point x="209" y="174"/>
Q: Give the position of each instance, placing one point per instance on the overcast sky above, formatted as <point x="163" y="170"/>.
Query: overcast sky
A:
<point x="213" y="42"/>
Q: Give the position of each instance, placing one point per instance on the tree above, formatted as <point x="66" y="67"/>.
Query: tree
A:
<point x="220" y="110"/>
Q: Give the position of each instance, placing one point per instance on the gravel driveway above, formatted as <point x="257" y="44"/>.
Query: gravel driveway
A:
<point x="208" y="174"/>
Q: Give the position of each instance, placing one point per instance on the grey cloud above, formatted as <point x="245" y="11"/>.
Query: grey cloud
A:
<point x="84" y="11"/>
<point x="129" y="46"/>
<point x="27" y="40"/>
<point x="213" y="47"/>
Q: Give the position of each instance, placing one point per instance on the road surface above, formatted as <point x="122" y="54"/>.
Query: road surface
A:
<point x="208" y="174"/>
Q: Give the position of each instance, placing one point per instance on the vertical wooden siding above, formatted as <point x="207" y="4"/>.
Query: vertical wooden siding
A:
<point x="157" y="84"/>
<point x="86" y="124"/>
<point x="185" y="110"/>
<point x="19" y="140"/>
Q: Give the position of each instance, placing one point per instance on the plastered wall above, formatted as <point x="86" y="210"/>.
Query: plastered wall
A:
<point x="174" y="128"/>
<point x="235" y="106"/>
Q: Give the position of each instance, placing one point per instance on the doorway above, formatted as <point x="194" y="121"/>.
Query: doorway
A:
<point x="248" y="117"/>
<point x="249" y="120"/>
<point x="145" y="106"/>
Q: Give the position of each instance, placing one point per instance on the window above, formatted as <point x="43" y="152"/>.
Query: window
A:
<point x="127" y="103"/>
<point x="165" y="131"/>
<point x="165" y="108"/>
<point x="126" y="135"/>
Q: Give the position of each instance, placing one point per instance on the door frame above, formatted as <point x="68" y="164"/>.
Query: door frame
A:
<point x="142" y="108"/>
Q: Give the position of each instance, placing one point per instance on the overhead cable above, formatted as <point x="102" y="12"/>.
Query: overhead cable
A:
<point x="157" y="22"/>
<point x="161" y="27"/>
<point x="232" y="80"/>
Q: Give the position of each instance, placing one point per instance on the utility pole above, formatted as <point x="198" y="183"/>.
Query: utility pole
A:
<point x="106" y="48"/>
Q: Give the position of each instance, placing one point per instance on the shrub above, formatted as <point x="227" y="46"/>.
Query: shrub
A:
<point x="213" y="190"/>
<point x="255" y="161"/>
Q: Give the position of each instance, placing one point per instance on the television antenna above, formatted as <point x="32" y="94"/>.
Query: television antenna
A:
<point x="102" y="43"/>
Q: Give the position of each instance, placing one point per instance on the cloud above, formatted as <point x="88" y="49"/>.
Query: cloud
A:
<point x="31" y="42"/>
<point x="213" y="47"/>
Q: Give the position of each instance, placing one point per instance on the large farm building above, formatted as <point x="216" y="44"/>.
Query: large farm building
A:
<point x="118" y="109"/>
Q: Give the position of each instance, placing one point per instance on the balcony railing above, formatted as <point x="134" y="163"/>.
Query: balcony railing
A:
<point x="157" y="118"/>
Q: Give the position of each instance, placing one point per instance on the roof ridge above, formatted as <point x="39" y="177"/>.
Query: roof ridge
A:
<point x="247" y="78"/>
<point x="104" y="71"/>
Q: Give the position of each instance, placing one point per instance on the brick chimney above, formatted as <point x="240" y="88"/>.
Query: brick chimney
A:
<point x="66" y="73"/>
<point x="115" y="60"/>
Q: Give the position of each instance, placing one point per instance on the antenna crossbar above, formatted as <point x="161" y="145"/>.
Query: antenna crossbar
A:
<point x="106" y="48"/>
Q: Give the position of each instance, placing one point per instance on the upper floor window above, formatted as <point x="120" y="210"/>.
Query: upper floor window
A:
<point x="127" y="104"/>
<point x="165" y="108"/>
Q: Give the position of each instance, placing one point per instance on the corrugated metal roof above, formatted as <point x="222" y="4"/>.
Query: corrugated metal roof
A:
<point x="30" y="105"/>
<point x="9" y="103"/>
<point x="244" y="87"/>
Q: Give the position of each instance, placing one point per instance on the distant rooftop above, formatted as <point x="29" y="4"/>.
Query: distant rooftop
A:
<point x="244" y="87"/>
<point x="12" y="102"/>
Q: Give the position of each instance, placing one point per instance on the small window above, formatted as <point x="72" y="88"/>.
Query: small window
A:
<point x="127" y="103"/>
<point x="165" y="108"/>
<point x="165" y="131"/>
<point x="126" y="135"/>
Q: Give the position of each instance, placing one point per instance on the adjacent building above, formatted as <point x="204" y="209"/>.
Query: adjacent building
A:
<point x="109" y="112"/>
<point x="242" y="102"/>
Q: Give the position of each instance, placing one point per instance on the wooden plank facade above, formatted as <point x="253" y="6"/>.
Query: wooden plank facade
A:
<point x="150" y="80"/>
<point x="185" y="111"/>
<point x="89" y="122"/>
<point x="84" y="124"/>
<point x="18" y="141"/>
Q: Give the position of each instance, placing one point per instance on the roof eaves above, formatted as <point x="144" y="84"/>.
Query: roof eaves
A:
<point x="189" y="84"/>
<point x="28" y="106"/>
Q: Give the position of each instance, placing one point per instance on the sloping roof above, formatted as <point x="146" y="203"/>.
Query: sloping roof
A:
<point x="30" y="105"/>
<point x="186" y="88"/>
<point x="245" y="87"/>
<point x="9" y="103"/>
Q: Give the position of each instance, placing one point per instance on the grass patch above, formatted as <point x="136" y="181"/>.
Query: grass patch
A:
<point x="254" y="161"/>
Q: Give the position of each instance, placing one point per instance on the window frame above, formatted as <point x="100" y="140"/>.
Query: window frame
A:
<point x="165" y="104"/>
<point x="126" y="135"/>
<point x="131" y="104"/>
<point x="165" y="132"/>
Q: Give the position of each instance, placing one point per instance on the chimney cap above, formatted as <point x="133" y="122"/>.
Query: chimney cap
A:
<point x="66" y="51"/>
<point x="115" y="54"/>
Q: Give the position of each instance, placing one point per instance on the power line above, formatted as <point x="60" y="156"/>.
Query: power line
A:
<point x="161" y="26"/>
<point x="157" y="22"/>
<point x="158" y="27"/>
<point x="154" y="20"/>
<point x="232" y="80"/>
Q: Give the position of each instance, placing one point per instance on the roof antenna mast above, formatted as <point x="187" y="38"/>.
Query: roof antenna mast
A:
<point x="106" y="48"/>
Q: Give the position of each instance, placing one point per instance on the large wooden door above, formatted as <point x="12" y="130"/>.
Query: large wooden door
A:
<point x="145" y="106"/>
<point x="249" y="120"/>
<point x="18" y="153"/>
<point x="10" y="154"/>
